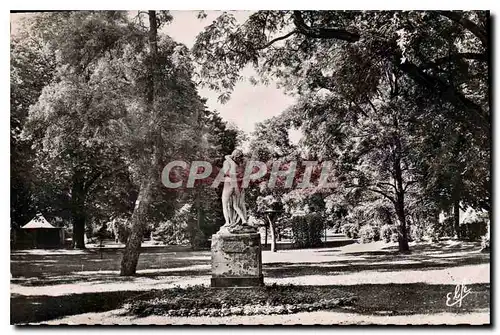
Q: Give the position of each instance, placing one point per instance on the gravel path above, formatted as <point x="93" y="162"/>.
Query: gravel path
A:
<point x="306" y="318"/>
<point x="328" y="267"/>
<point x="479" y="274"/>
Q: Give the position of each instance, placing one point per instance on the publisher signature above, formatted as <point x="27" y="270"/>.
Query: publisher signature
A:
<point x="454" y="298"/>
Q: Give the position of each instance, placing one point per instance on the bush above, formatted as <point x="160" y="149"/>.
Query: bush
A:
<point x="445" y="228"/>
<point x="485" y="243"/>
<point x="385" y="233"/>
<point x="395" y="236"/>
<point x="433" y="235"/>
<point x="101" y="232"/>
<point x="307" y="230"/>
<point x="197" y="238"/>
<point x="369" y="233"/>
<point x="389" y="233"/>
<point x="350" y="230"/>
<point x="416" y="233"/>
<point x="171" y="232"/>
<point x="121" y="229"/>
<point x="434" y="232"/>
<point x="473" y="231"/>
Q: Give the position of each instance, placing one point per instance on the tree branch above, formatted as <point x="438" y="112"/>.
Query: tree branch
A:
<point x="326" y="33"/>
<point x="371" y="105"/>
<point x="382" y="193"/>
<point x="101" y="176"/>
<point x="387" y="184"/>
<point x="479" y="32"/>
<point x="446" y="91"/>
<point x="408" y="184"/>
<point x="359" y="108"/>
<point x="464" y="55"/>
<point x="89" y="182"/>
<point x="386" y="195"/>
<point x="268" y="44"/>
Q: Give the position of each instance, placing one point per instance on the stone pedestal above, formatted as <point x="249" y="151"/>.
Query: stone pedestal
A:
<point x="236" y="260"/>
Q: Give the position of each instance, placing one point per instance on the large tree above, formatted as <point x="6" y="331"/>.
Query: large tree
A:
<point x="270" y="144"/>
<point x="64" y="122"/>
<point x="32" y="67"/>
<point x="121" y="89"/>
<point x="170" y="104"/>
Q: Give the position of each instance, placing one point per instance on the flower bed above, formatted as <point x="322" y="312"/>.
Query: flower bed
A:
<point x="204" y="301"/>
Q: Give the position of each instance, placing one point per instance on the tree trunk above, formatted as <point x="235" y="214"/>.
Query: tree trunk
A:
<point x="403" y="235"/>
<point x="488" y="232"/>
<point x="265" y="238"/>
<point x="273" y="235"/>
<point x="144" y="199"/>
<point x="153" y="50"/>
<point x="138" y="227"/>
<point x="79" y="231"/>
<point x="400" y="196"/>
<point x="78" y="212"/>
<point x="456" y="218"/>
<point x="195" y="232"/>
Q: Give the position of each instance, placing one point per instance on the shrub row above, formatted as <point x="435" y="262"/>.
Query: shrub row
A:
<point x="389" y="233"/>
<point x="307" y="230"/>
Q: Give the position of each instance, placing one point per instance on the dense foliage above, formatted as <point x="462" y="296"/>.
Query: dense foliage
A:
<point x="93" y="122"/>
<point x="398" y="99"/>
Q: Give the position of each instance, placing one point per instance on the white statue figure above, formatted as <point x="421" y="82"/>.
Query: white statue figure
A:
<point x="233" y="195"/>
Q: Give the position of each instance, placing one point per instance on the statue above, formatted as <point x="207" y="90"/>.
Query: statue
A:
<point x="233" y="195"/>
<point x="236" y="249"/>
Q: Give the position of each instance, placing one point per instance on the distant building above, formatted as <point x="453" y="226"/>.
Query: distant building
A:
<point x="39" y="233"/>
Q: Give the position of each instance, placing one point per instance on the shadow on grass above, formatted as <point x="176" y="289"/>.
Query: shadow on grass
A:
<point x="44" y="266"/>
<point x="372" y="299"/>
<point x="109" y="278"/>
<point x="63" y="269"/>
<point x="416" y="298"/>
<point x="440" y="246"/>
<point x="381" y="261"/>
<point x="26" y="309"/>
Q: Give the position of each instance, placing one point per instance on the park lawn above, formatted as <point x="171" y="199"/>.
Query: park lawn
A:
<point x="48" y="285"/>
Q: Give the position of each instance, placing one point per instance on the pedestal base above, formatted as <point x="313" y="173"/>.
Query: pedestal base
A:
<point x="237" y="281"/>
<point x="236" y="260"/>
